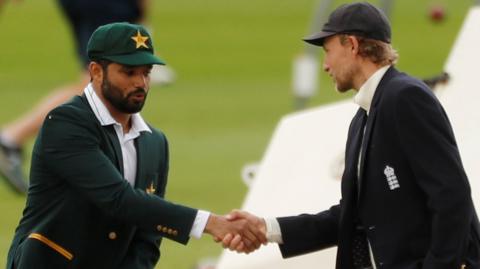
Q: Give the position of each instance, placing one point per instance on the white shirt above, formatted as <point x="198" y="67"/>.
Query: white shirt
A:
<point x="365" y="94"/>
<point x="129" y="152"/>
<point x="364" y="99"/>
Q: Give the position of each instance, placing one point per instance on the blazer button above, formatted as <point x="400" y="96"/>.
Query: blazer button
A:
<point x="170" y="231"/>
<point x="112" y="235"/>
<point x="175" y="233"/>
<point x="159" y="228"/>
<point x="164" y="229"/>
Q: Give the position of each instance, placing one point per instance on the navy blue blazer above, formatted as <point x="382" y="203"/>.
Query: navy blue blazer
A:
<point x="411" y="194"/>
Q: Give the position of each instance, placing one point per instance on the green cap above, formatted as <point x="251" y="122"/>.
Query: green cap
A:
<point x="123" y="43"/>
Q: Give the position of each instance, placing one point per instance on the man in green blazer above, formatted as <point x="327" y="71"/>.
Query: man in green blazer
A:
<point x="99" y="172"/>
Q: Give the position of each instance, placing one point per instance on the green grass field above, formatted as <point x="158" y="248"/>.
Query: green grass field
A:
<point x="233" y="60"/>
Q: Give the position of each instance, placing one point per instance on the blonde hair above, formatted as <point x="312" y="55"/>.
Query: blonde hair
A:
<point x="378" y="52"/>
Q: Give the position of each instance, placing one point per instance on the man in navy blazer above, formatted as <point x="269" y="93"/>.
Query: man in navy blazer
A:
<point x="406" y="201"/>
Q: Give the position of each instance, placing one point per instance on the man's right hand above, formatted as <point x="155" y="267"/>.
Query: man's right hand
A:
<point x="238" y="231"/>
<point x="235" y="242"/>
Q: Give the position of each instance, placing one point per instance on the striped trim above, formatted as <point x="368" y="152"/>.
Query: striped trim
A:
<point x="52" y="244"/>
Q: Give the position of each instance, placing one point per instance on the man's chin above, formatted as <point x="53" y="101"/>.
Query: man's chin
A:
<point x="342" y="89"/>
<point x="132" y="108"/>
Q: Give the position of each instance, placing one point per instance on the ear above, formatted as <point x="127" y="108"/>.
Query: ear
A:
<point x="96" y="72"/>
<point x="354" y="44"/>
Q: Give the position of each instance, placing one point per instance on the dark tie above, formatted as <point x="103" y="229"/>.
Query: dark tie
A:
<point x="360" y="255"/>
<point x="360" y="250"/>
<point x="362" y="138"/>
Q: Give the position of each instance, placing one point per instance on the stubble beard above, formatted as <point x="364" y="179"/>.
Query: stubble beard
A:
<point x="344" y="82"/>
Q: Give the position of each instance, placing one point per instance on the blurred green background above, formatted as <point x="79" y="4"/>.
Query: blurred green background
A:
<point x="233" y="62"/>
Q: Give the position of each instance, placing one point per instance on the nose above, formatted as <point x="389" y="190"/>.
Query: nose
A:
<point x="141" y="81"/>
<point x="326" y="68"/>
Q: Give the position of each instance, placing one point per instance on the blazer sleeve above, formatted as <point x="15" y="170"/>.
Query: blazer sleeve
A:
<point x="70" y="146"/>
<point x="144" y="250"/>
<point x="309" y="232"/>
<point x="429" y="144"/>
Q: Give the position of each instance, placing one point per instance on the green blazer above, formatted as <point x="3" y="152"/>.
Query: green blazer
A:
<point x="81" y="212"/>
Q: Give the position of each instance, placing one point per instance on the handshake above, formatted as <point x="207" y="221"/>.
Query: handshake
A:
<point x="239" y="231"/>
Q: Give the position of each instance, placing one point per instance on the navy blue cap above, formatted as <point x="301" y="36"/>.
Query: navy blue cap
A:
<point x="361" y="18"/>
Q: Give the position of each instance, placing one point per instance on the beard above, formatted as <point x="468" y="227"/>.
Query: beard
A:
<point x="344" y="81"/>
<point x="125" y="104"/>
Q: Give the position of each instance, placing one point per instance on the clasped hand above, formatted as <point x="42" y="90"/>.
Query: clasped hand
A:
<point x="238" y="231"/>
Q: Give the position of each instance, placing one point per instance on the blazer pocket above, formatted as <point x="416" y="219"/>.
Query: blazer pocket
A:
<point x="54" y="246"/>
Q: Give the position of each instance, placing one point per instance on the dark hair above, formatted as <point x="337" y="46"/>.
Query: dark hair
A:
<point x="103" y="63"/>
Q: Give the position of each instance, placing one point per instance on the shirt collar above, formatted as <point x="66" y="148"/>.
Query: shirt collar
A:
<point x="104" y="116"/>
<point x="365" y="94"/>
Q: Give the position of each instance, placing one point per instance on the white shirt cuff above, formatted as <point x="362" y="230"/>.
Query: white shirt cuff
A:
<point x="199" y="224"/>
<point x="274" y="233"/>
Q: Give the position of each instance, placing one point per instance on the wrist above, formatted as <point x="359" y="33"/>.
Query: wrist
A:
<point x="273" y="231"/>
<point x="211" y="223"/>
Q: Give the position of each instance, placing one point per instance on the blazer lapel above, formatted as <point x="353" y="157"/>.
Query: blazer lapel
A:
<point x="112" y="136"/>
<point x="371" y="122"/>
<point x="365" y="142"/>
<point x="350" y="176"/>
<point x="145" y="180"/>
<point x="142" y="149"/>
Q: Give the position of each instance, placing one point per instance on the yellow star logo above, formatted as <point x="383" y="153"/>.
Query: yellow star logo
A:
<point x="140" y="40"/>
<point x="151" y="189"/>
